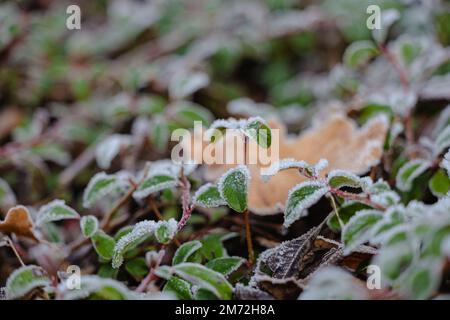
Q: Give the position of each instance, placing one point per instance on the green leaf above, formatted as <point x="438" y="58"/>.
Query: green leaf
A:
<point x="212" y="246"/>
<point x="258" y="130"/>
<point x="233" y="186"/>
<point x="300" y="198"/>
<point x="165" y="231"/>
<point x="423" y="279"/>
<point x="409" y="172"/>
<point x="208" y="196"/>
<point x="346" y="211"/>
<point x="439" y="184"/>
<point x="359" y="53"/>
<point x="55" y="211"/>
<point x="89" y="226"/>
<point x="103" y="244"/>
<point x="154" y="184"/>
<point x="186" y="250"/>
<point x="340" y="178"/>
<point x="204" y="278"/>
<point x="226" y="265"/>
<point x="203" y="294"/>
<point x="140" y="233"/>
<point x="137" y="267"/>
<point x="25" y="279"/>
<point x="100" y="186"/>
<point x="180" y="288"/>
<point x="358" y="229"/>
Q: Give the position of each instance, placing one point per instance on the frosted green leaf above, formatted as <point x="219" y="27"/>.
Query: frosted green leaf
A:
<point x="388" y="18"/>
<point x="52" y="152"/>
<point x="290" y="163"/>
<point x="25" y="279"/>
<point x="89" y="226"/>
<point x="257" y="129"/>
<point x="100" y="186"/>
<point x="154" y="184"/>
<point x="186" y="250"/>
<point x="233" y="186"/>
<point x="141" y="232"/>
<point x="165" y="231"/>
<point x="208" y="196"/>
<point x="204" y="278"/>
<point x="340" y="178"/>
<point x="55" y="211"/>
<point x="439" y="183"/>
<point x="184" y="84"/>
<point x="409" y="172"/>
<point x="98" y="288"/>
<point x="422" y="280"/>
<point x="300" y="198"/>
<point x="358" y="229"/>
<point x="179" y="287"/>
<point x="7" y="197"/>
<point x="359" y="53"/>
<point x="225" y="265"/>
<point x="103" y="244"/>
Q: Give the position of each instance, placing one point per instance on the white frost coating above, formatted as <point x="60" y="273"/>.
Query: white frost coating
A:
<point x="109" y="148"/>
<point x="8" y="199"/>
<point x="118" y="183"/>
<point x="386" y="198"/>
<point x="241" y="168"/>
<point x="140" y="231"/>
<point x="406" y="184"/>
<point x="14" y="292"/>
<point x="445" y="163"/>
<point x="247" y="107"/>
<point x="91" y="284"/>
<point x="168" y="167"/>
<point x="283" y="164"/>
<point x="55" y="211"/>
<point x="293" y="213"/>
<point x="209" y="203"/>
<point x="442" y="141"/>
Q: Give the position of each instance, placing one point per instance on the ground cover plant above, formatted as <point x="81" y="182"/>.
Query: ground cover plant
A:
<point x="356" y="205"/>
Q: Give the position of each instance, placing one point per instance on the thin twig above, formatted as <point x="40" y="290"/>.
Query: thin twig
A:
<point x="13" y="248"/>
<point x="248" y="236"/>
<point x="151" y="275"/>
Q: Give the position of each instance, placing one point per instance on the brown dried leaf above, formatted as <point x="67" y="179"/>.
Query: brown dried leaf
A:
<point x="18" y="221"/>
<point x="337" y="139"/>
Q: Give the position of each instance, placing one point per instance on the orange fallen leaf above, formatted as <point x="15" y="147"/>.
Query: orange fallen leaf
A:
<point x="336" y="138"/>
<point x="18" y="221"/>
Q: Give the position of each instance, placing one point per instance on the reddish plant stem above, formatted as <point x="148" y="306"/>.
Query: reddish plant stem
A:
<point x="365" y="198"/>
<point x="398" y="68"/>
<point x="185" y="201"/>
<point x="248" y="236"/>
<point x="151" y="275"/>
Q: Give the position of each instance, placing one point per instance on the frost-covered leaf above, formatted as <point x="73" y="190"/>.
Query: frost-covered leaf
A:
<point x="109" y="148"/>
<point x="101" y="185"/>
<point x="257" y="129"/>
<point x="165" y="231"/>
<point x="302" y="166"/>
<point x="225" y="265"/>
<point x="103" y="244"/>
<point x="179" y="287"/>
<point x="393" y="217"/>
<point x="285" y="260"/>
<point x="341" y="178"/>
<point x="359" y="53"/>
<point x="185" y="113"/>
<point x="97" y="288"/>
<point x="89" y="226"/>
<point x="184" y="84"/>
<point x="208" y="196"/>
<point x="439" y="183"/>
<point x="154" y="184"/>
<point x="300" y="198"/>
<point x="204" y="278"/>
<point x="19" y="222"/>
<point x="55" y="211"/>
<point x="185" y="251"/>
<point x="7" y="197"/>
<point x="25" y="279"/>
<point x="442" y="141"/>
<point x="393" y="260"/>
<point x="422" y="280"/>
<point x="52" y="152"/>
<point x="358" y="228"/>
<point x="333" y="283"/>
<point x="409" y="172"/>
<point x="141" y="232"/>
<point x="233" y="187"/>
